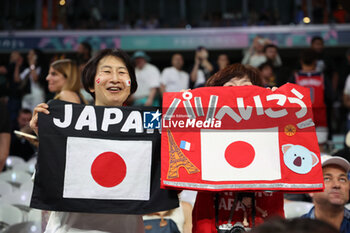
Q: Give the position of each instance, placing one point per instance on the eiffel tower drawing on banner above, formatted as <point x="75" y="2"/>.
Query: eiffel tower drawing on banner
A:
<point x="178" y="159"/>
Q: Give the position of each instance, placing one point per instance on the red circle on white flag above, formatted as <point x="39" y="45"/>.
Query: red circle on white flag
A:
<point x="239" y="154"/>
<point x="108" y="169"/>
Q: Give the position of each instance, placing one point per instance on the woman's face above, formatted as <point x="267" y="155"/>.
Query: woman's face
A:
<point x="112" y="82"/>
<point x="56" y="80"/>
<point x="238" y="82"/>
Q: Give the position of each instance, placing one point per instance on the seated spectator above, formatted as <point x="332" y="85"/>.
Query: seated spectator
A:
<point x="255" y="55"/>
<point x="222" y="62"/>
<point x="32" y="80"/>
<point x="148" y="78"/>
<point x="64" y="80"/>
<point x="315" y="81"/>
<point x="20" y="146"/>
<point x="271" y="54"/>
<point x="14" y="68"/>
<point x="329" y="205"/>
<point x="267" y="75"/>
<point x="202" y="67"/>
<point x="174" y="79"/>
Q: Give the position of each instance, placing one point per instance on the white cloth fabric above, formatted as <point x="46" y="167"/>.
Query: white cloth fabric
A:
<point x="67" y="222"/>
<point x="37" y="93"/>
<point x="148" y="77"/>
<point x="200" y="78"/>
<point x="175" y="80"/>
<point x="188" y="196"/>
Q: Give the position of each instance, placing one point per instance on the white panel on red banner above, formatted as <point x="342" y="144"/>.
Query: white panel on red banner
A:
<point x="240" y="138"/>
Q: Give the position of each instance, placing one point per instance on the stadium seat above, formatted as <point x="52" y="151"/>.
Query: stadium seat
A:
<point x="24" y="227"/>
<point x="27" y="186"/>
<point x="13" y="160"/>
<point x="5" y="188"/>
<point x="15" y="177"/>
<point x="294" y="209"/>
<point x="23" y="167"/>
<point x="9" y="215"/>
<point x="20" y="199"/>
<point x="35" y="215"/>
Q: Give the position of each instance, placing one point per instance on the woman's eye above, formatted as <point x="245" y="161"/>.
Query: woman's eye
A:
<point x="106" y="71"/>
<point x="326" y="179"/>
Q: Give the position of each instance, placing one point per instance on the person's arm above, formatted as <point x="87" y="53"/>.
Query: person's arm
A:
<point x="16" y="74"/>
<point x="5" y="139"/>
<point x="187" y="211"/>
<point x="162" y="88"/>
<point x="34" y="74"/>
<point x="151" y="96"/>
<point x="207" y="65"/>
<point x="43" y="107"/>
<point x="278" y="61"/>
<point x="194" y="71"/>
<point x="163" y="81"/>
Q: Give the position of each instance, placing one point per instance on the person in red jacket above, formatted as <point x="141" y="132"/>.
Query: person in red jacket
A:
<point x="211" y="209"/>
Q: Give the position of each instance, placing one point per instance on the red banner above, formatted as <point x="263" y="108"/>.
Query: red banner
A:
<point x="240" y="138"/>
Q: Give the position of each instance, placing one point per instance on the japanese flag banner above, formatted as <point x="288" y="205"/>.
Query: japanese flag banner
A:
<point x="240" y="138"/>
<point x="99" y="160"/>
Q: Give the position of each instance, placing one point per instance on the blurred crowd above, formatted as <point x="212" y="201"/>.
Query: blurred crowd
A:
<point x="30" y="79"/>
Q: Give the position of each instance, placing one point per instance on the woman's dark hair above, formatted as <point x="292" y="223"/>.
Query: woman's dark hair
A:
<point x="89" y="71"/>
<point x="236" y="70"/>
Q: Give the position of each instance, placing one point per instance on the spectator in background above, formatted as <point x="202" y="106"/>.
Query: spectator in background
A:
<point x="148" y="79"/>
<point x="32" y="80"/>
<point x="266" y="74"/>
<point x="64" y="80"/>
<point x="329" y="205"/>
<point x="202" y="68"/>
<point x="174" y="79"/>
<point x="255" y="55"/>
<point x="222" y="62"/>
<point x="84" y="52"/>
<point x="271" y="54"/>
<point x="83" y="55"/>
<point x="324" y="65"/>
<point x="14" y="68"/>
<point x="309" y="77"/>
<point x="5" y="135"/>
<point x="20" y="146"/>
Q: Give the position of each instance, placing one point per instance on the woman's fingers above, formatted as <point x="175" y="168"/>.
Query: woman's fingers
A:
<point x="43" y="107"/>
